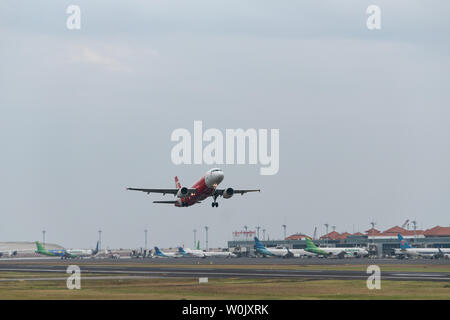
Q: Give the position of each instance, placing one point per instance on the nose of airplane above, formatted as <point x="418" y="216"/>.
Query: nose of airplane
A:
<point x="217" y="176"/>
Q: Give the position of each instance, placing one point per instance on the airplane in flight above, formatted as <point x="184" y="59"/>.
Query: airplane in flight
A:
<point x="406" y="250"/>
<point x="335" y="251"/>
<point x="205" y="187"/>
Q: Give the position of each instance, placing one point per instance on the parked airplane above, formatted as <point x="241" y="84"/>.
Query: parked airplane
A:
<point x="271" y="252"/>
<point x="335" y="251"/>
<point x="223" y="254"/>
<point x="408" y="251"/>
<point x="83" y="253"/>
<point x="10" y="253"/>
<point x="202" y="189"/>
<point x="281" y="252"/>
<point x="52" y="253"/>
<point x="298" y="253"/>
<point x="186" y="252"/>
<point x="159" y="253"/>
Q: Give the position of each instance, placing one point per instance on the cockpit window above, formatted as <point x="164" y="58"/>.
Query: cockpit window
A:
<point x="214" y="170"/>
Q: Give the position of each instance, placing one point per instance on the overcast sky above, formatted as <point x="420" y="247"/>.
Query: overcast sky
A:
<point x="364" y="116"/>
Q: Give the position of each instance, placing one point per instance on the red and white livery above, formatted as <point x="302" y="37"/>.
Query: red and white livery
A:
<point x="202" y="189"/>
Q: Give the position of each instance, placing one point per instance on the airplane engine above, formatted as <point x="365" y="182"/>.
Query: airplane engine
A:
<point x="228" y="193"/>
<point x="182" y="192"/>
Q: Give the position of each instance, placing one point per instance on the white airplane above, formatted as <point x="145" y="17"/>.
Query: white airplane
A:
<point x="280" y="252"/>
<point x="335" y="251"/>
<point x="10" y="253"/>
<point x="186" y="252"/>
<point x="83" y="253"/>
<point x="159" y="253"/>
<point x="224" y="254"/>
<point x="205" y="187"/>
<point x="409" y="251"/>
<point x="271" y="252"/>
<point x="298" y="253"/>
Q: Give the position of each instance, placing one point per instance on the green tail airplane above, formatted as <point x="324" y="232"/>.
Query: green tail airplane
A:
<point x="52" y="253"/>
<point x="311" y="247"/>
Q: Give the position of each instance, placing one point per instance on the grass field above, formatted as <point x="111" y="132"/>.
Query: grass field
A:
<point x="220" y="289"/>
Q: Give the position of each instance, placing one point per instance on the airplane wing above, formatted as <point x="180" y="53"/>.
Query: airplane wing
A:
<point x="163" y="191"/>
<point x="241" y="191"/>
<point x="168" y="202"/>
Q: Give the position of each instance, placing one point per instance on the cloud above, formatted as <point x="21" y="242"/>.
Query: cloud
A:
<point x="92" y="56"/>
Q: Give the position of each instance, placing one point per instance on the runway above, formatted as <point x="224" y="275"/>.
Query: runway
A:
<point x="234" y="261"/>
<point x="223" y="268"/>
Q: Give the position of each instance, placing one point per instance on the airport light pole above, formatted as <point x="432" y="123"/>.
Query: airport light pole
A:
<point x="264" y="234"/>
<point x="284" y="231"/>
<point x="145" y="232"/>
<point x="326" y="236"/>
<point x="257" y="230"/>
<point x="246" y="234"/>
<point x="415" y="228"/>
<point x="206" y="229"/>
<point x="373" y="231"/>
<point x="99" y="239"/>
<point x="195" y="238"/>
<point x="43" y="237"/>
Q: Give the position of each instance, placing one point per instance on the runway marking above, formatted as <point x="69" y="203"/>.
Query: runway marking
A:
<point x="196" y="273"/>
<point x="89" y="278"/>
<point x="420" y="274"/>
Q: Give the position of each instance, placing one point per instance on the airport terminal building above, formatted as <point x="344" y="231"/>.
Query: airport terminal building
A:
<point x="379" y="243"/>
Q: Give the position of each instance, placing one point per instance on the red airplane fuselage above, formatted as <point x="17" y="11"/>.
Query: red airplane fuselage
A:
<point x="204" y="187"/>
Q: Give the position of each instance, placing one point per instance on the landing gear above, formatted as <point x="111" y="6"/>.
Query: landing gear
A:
<point x="215" y="203"/>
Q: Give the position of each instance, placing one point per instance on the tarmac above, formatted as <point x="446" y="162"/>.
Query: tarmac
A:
<point x="220" y="268"/>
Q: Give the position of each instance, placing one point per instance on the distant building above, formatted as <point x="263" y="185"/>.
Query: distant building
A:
<point x="297" y="236"/>
<point x="243" y="235"/>
<point x="438" y="231"/>
<point x="372" y="231"/>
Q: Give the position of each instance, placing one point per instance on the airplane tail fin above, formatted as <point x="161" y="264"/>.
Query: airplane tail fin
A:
<point x="181" y="250"/>
<point x="198" y="245"/>
<point x="96" y="248"/>
<point x="258" y="244"/>
<point x="309" y="243"/>
<point x="403" y="243"/>
<point x="157" y="251"/>
<point x="39" y="246"/>
<point x="177" y="183"/>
